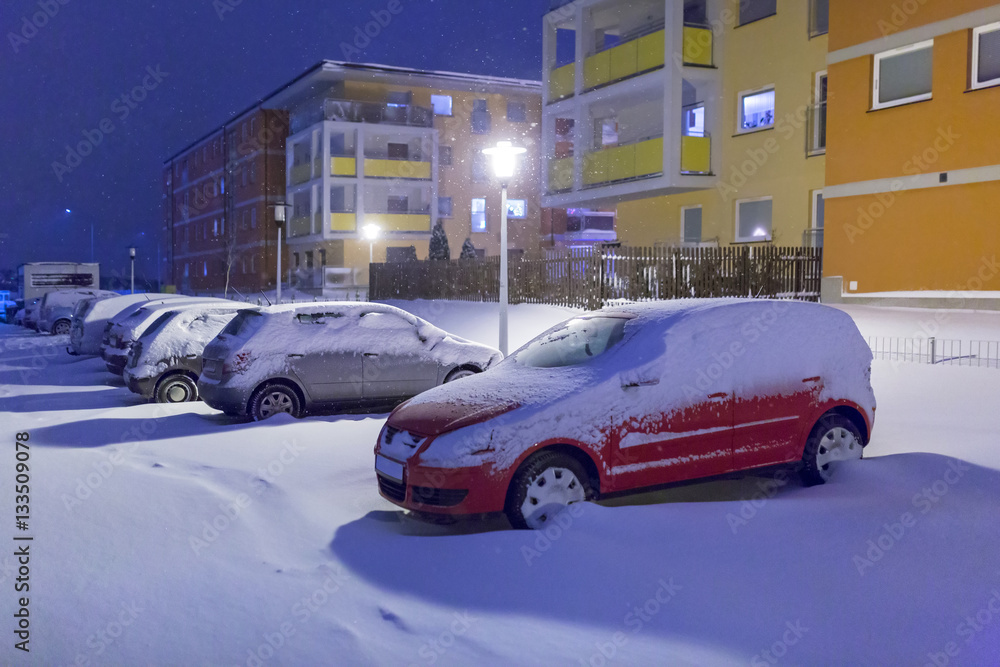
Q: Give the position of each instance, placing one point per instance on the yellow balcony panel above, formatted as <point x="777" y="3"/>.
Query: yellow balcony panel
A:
<point x="400" y="222"/>
<point x="562" y="82"/>
<point x="343" y="222"/>
<point x="343" y="166"/>
<point x="649" y="157"/>
<point x="376" y="168"/>
<point x="620" y="163"/>
<point x="696" y="155"/>
<point x="697" y="46"/>
<point x="597" y="70"/>
<point x="301" y="173"/>
<point x="560" y="174"/>
<point x="623" y="61"/>
<point x="649" y="51"/>
<point x="300" y="226"/>
<point x="595" y="167"/>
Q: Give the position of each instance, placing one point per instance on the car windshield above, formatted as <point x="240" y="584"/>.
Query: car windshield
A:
<point x="575" y="342"/>
<point x="244" y="324"/>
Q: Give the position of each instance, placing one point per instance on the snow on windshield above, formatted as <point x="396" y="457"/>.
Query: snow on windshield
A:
<point x="575" y="342"/>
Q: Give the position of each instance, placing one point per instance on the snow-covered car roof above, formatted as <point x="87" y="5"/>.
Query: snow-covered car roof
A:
<point x="149" y="312"/>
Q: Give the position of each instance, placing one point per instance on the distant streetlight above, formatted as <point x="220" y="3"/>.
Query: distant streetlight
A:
<point x="504" y="156"/>
<point x="279" y="220"/>
<point x="371" y="232"/>
<point x="131" y="256"/>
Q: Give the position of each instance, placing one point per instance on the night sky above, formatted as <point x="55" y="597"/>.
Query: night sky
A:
<point x="63" y="84"/>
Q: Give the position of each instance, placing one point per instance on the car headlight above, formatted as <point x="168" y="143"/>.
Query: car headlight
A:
<point x="393" y="435"/>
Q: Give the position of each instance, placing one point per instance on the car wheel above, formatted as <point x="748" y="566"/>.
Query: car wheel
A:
<point x="176" y="389"/>
<point x="835" y="438"/>
<point x="459" y="373"/>
<point x="543" y="486"/>
<point x="60" y="328"/>
<point x="272" y="399"/>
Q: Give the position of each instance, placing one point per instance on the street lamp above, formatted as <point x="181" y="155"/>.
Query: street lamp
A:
<point x="504" y="156"/>
<point x="131" y="256"/>
<point x="371" y="232"/>
<point x="279" y="220"/>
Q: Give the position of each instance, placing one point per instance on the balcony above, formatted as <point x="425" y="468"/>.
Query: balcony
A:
<point x="392" y="168"/>
<point x="696" y="154"/>
<point x="343" y="166"/>
<point x="625" y="60"/>
<point x="561" y="174"/>
<point x="301" y="173"/>
<point x="413" y="221"/>
<point x="698" y="46"/>
<point x="622" y="163"/>
<point x="343" y="221"/>
<point x="300" y="226"/>
<point x="378" y="113"/>
<point x="562" y="82"/>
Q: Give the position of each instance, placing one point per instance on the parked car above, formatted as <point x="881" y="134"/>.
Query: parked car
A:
<point x="633" y="397"/>
<point x="7" y="310"/>
<point x="55" y="312"/>
<point x="94" y="317"/>
<point x="30" y="318"/>
<point x="300" y="358"/>
<point x="121" y="335"/>
<point x="165" y="362"/>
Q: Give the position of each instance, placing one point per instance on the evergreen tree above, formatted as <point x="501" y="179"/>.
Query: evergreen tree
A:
<point x="439" y="249"/>
<point x="468" y="250"/>
<point x="411" y="254"/>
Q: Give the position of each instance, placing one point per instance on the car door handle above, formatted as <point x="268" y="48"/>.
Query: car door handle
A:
<point x="721" y="396"/>
<point x="371" y="354"/>
<point x="295" y="356"/>
<point x="814" y="380"/>
<point x="191" y="356"/>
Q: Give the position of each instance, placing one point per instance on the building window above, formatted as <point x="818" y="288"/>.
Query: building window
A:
<point x="444" y="207"/>
<point x="204" y="268"/>
<point x="253" y="218"/>
<point x="817" y="118"/>
<point x="253" y="172"/>
<point x="480" y="117"/>
<point x="398" y="204"/>
<point x="243" y="170"/>
<point x="903" y="75"/>
<point x="819" y="17"/>
<point x="606" y="132"/>
<point x="479" y="167"/>
<point x="444" y="154"/>
<point x="441" y="104"/>
<point x="691" y="224"/>
<point x="756" y="110"/>
<point x="517" y="208"/>
<point x="479" y="215"/>
<point x="986" y="56"/>
<point x="753" y="220"/>
<point x="517" y="112"/>
<point x="755" y="10"/>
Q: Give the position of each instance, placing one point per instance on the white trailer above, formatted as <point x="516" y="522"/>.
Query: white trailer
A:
<point x="36" y="279"/>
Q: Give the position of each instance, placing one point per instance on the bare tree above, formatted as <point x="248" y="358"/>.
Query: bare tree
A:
<point x="230" y="250"/>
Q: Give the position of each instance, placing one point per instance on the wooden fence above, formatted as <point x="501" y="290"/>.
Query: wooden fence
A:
<point x="590" y="278"/>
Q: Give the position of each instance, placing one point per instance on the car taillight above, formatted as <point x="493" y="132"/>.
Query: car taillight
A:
<point x="133" y="355"/>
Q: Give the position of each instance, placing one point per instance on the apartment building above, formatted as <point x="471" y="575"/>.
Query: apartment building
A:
<point x="217" y="222"/>
<point x="378" y="155"/>
<point x="913" y="175"/>
<point x="698" y="121"/>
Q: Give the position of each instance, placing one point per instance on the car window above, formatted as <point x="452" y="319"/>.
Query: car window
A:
<point x="244" y="324"/>
<point x="384" y="321"/>
<point x="318" y="318"/>
<point x="575" y="342"/>
<point x="158" y="324"/>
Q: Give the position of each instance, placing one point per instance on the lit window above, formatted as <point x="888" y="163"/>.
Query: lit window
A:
<point x="756" y="110"/>
<point x="479" y="215"/>
<point x="986" y="56"/>
<point x="753" y="220"/>
<point x="204" y="268"/>
<point x="517" y="208"/>
<point x="903" y="75"/>
<point x="755" y="10"/>
<point x="441" y="104"/>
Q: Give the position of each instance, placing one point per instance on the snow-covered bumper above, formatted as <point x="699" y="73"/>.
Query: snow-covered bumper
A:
<point x="144" y="386"/>
<point x="421" y="488"/>
<point x="220" y="396"/>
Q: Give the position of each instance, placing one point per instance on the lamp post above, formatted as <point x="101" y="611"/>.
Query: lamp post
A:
<point x="279" y="220"/>
<point x="371" y="232"/>
<point x="131" y="256"/>
<point x="504" y="156"/>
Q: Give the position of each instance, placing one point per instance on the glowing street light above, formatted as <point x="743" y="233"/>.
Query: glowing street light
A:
<point x="371" y="232"/>
<point x="131" y="256"/>
<point x="279" y="220"/>
<point x="504" y="156"/>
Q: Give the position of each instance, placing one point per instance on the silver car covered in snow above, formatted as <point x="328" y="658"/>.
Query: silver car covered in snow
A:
<point x="299" y="358"/>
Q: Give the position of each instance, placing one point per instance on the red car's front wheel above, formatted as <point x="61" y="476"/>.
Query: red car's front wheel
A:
<point x="542" y="487"/>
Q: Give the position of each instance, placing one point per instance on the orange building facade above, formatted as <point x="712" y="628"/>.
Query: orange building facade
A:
<point x="912" y="190"/>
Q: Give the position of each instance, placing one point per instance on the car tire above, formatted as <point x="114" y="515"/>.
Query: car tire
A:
<point x="60" y="328"/>
<point x="272" y="399"/>
<point x="460" y="373"/>
<point x="177" y="388"/>
<point x="834" y="438"/>
<point x="542" y="487"/>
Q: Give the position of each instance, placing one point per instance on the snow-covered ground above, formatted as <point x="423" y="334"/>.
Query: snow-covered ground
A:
<point x="173" y="535"/>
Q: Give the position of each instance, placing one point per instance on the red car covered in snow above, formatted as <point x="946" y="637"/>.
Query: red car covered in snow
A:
<point x="633" y="397"/>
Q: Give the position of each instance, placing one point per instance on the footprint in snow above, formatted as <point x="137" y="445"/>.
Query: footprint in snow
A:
<point x="392" y="618"/>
